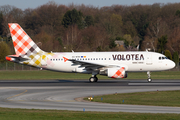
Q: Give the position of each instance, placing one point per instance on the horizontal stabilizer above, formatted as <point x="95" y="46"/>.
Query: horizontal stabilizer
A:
<point x="15" y="58"/>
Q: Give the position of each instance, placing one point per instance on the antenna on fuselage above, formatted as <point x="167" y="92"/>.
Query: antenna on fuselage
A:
<point x="138" y="47"/>
<point x="148" y="49"/>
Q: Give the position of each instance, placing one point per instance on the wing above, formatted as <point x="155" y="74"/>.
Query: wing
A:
<point x="90" y="65"/>
<point x="87" y="65"/>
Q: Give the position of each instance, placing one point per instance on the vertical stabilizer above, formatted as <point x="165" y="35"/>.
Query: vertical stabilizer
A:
<point x="23" y="44"/>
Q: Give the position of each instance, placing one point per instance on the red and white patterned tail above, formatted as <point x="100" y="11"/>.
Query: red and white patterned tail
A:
<point x="23" y="44"/>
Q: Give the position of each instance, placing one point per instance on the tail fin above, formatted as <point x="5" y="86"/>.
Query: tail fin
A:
<point x="23" y="44"/>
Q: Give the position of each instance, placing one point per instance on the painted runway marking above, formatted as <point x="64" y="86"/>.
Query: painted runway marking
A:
<point x="17" y="95"/>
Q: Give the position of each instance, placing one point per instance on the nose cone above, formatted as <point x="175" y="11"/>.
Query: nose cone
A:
<point x="171" y="64"/>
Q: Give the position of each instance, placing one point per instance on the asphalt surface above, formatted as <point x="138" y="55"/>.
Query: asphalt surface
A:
<point x="67" y="94"/>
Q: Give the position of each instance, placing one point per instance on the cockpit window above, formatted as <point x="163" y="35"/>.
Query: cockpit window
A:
<point x="162" y="58"/>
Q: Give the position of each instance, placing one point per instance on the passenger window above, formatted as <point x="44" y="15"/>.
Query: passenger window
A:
<point x="104" y="58"/>
<point x="96" y="58"/>
<point x="109" y="58"/>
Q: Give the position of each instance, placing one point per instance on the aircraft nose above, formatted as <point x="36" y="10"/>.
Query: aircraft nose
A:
<point x="172" y="64"/>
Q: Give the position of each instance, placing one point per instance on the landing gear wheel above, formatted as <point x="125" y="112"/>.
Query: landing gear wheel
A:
<point x="93" y="79"/>
<point x="149" y="79"/>
<point x="96" y="79"/>
<point x="149" y="76"/>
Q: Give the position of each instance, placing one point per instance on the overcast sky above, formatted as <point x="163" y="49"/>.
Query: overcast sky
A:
<point x="23" y="4"/>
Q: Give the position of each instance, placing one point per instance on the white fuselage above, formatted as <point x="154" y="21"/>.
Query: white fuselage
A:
<point x="132" y="61"/>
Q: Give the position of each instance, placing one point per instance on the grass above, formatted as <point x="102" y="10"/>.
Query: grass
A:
<point x="156" y="98"/>
<point x="25" y="114"/>
<point x="43" y="75"/>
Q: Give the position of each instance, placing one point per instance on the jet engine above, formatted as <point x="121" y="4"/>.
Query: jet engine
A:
<point x="115" y="72"/>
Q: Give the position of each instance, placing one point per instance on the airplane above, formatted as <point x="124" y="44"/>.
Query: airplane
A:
<point x="111" y="64"/>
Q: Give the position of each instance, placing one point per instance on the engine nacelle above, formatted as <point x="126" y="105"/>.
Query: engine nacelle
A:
<point x="118" y="72"/>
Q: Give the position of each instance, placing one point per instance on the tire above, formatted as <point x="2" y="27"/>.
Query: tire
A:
<point x="92" y="79"/>
<point x="96" y="79"/>
<point x="149" y="79"/>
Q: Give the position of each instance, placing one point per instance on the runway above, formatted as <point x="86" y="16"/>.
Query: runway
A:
<point x="67" y="94"/>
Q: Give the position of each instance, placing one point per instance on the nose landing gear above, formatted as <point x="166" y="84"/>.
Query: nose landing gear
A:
<point x="149" y="76"/>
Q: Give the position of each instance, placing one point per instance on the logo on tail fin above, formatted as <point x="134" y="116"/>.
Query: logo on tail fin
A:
<point x="23" y="44"/>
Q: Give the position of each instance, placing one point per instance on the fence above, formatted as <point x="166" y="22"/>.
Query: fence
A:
<point x="15" y="66"/>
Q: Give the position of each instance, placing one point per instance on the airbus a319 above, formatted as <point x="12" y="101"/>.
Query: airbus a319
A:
<point x="111" y="64"/>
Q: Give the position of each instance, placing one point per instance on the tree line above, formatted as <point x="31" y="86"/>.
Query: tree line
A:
<point x="56" y="27"/>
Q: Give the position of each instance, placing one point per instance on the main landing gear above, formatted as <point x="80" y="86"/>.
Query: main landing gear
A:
<point x="149" y="76"/>
<point x="93" y="79"/>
